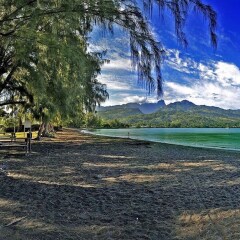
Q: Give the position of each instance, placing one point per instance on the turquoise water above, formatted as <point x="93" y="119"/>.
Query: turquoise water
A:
<point x="197" y="137"/>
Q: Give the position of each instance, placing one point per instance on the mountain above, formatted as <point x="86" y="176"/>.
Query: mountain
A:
<point x="177" y="114"/>
<point x="183" y="105"/>
<point x="145" y="108"/>
<point x="148" y="108"/>
<point x="118" y="113"/>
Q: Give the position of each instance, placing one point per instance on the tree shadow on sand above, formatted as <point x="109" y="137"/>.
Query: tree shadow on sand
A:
<point x="111" y="189"/>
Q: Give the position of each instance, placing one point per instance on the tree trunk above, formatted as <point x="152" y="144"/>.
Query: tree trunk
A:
<point x="40" y="131"/>
<point x="20" y="124"/>
<point x="45" y="132"/>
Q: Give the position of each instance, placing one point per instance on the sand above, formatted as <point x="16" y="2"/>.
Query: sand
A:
<point x="78" y="186"/>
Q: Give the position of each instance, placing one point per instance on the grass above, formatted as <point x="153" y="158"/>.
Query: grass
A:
<point x="18" y="135"/>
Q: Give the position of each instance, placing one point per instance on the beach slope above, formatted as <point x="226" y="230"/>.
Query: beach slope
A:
<point x="78" y="186"/>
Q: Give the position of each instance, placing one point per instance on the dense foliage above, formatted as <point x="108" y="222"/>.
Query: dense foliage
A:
<point x="175" y="116"/>
<point x="45" y="64"/>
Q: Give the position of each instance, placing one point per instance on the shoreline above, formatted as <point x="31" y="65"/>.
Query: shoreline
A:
<point x="85" y="131"/>
<point x="79" y="186"/>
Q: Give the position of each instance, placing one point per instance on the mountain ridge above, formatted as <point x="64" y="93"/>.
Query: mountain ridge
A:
<point x="178" y="114"/>
<point x="145" y="108"/>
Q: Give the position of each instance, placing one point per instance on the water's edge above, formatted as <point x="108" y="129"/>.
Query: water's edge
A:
<point x="93" y="132"/>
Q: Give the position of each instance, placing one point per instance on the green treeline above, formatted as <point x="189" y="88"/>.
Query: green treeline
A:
<point x="169" y="117"/>
<point x="92" y="120"/>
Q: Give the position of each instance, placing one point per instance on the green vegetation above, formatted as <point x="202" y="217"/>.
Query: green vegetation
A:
<point x="91" y="120"/>
<point x="119" y="113"/>
<point x="178" y="115"/>
<point x="46" y="68"/>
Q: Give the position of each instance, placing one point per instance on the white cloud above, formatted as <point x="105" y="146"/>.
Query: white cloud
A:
<point x="118" y="64"/>
<point x="119" y="99"/>
<point x="215" y="83"/>
<point x="114" y="83"/>
<point x="183" y="65"/>
<point x="227" y="73"/>
<point x="128" y="97"/>
<point x="205" y="92"/>
<point x="179" y="89"/>
<point x="134" y="99"/>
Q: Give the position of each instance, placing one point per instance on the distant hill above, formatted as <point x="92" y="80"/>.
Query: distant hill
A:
<point x="178" y="114"/>
<point x="117" y="113"/>
<point x="145" y="108"/>
<point x="148" y="108"/>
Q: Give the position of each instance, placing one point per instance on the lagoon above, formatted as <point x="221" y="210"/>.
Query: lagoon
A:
<point x="220" y="138"/>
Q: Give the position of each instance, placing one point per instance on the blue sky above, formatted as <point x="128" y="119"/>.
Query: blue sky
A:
<point x="199" y="73"/>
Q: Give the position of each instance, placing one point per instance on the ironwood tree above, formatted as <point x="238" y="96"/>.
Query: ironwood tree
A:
<point x="44" y="56"/>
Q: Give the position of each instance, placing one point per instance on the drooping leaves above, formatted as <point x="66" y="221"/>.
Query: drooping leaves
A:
<point x="34" y="26"/>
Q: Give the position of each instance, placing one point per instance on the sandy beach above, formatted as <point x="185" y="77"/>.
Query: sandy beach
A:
<point x="78" y="186"/>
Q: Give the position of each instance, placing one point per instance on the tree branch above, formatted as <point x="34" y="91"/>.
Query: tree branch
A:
<point x="7" y="18"/>
<point x="8" y="78"/>
<point x="8" y="102"/>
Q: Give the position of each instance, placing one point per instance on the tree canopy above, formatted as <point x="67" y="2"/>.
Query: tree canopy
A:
<point x="44" y="56"/>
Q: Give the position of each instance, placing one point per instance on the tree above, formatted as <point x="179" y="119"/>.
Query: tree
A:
<point x="71" y="93"/>
<point x="44" y="59"/>
<point x="24" y="20"/>
<point x="12" y="86"/>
